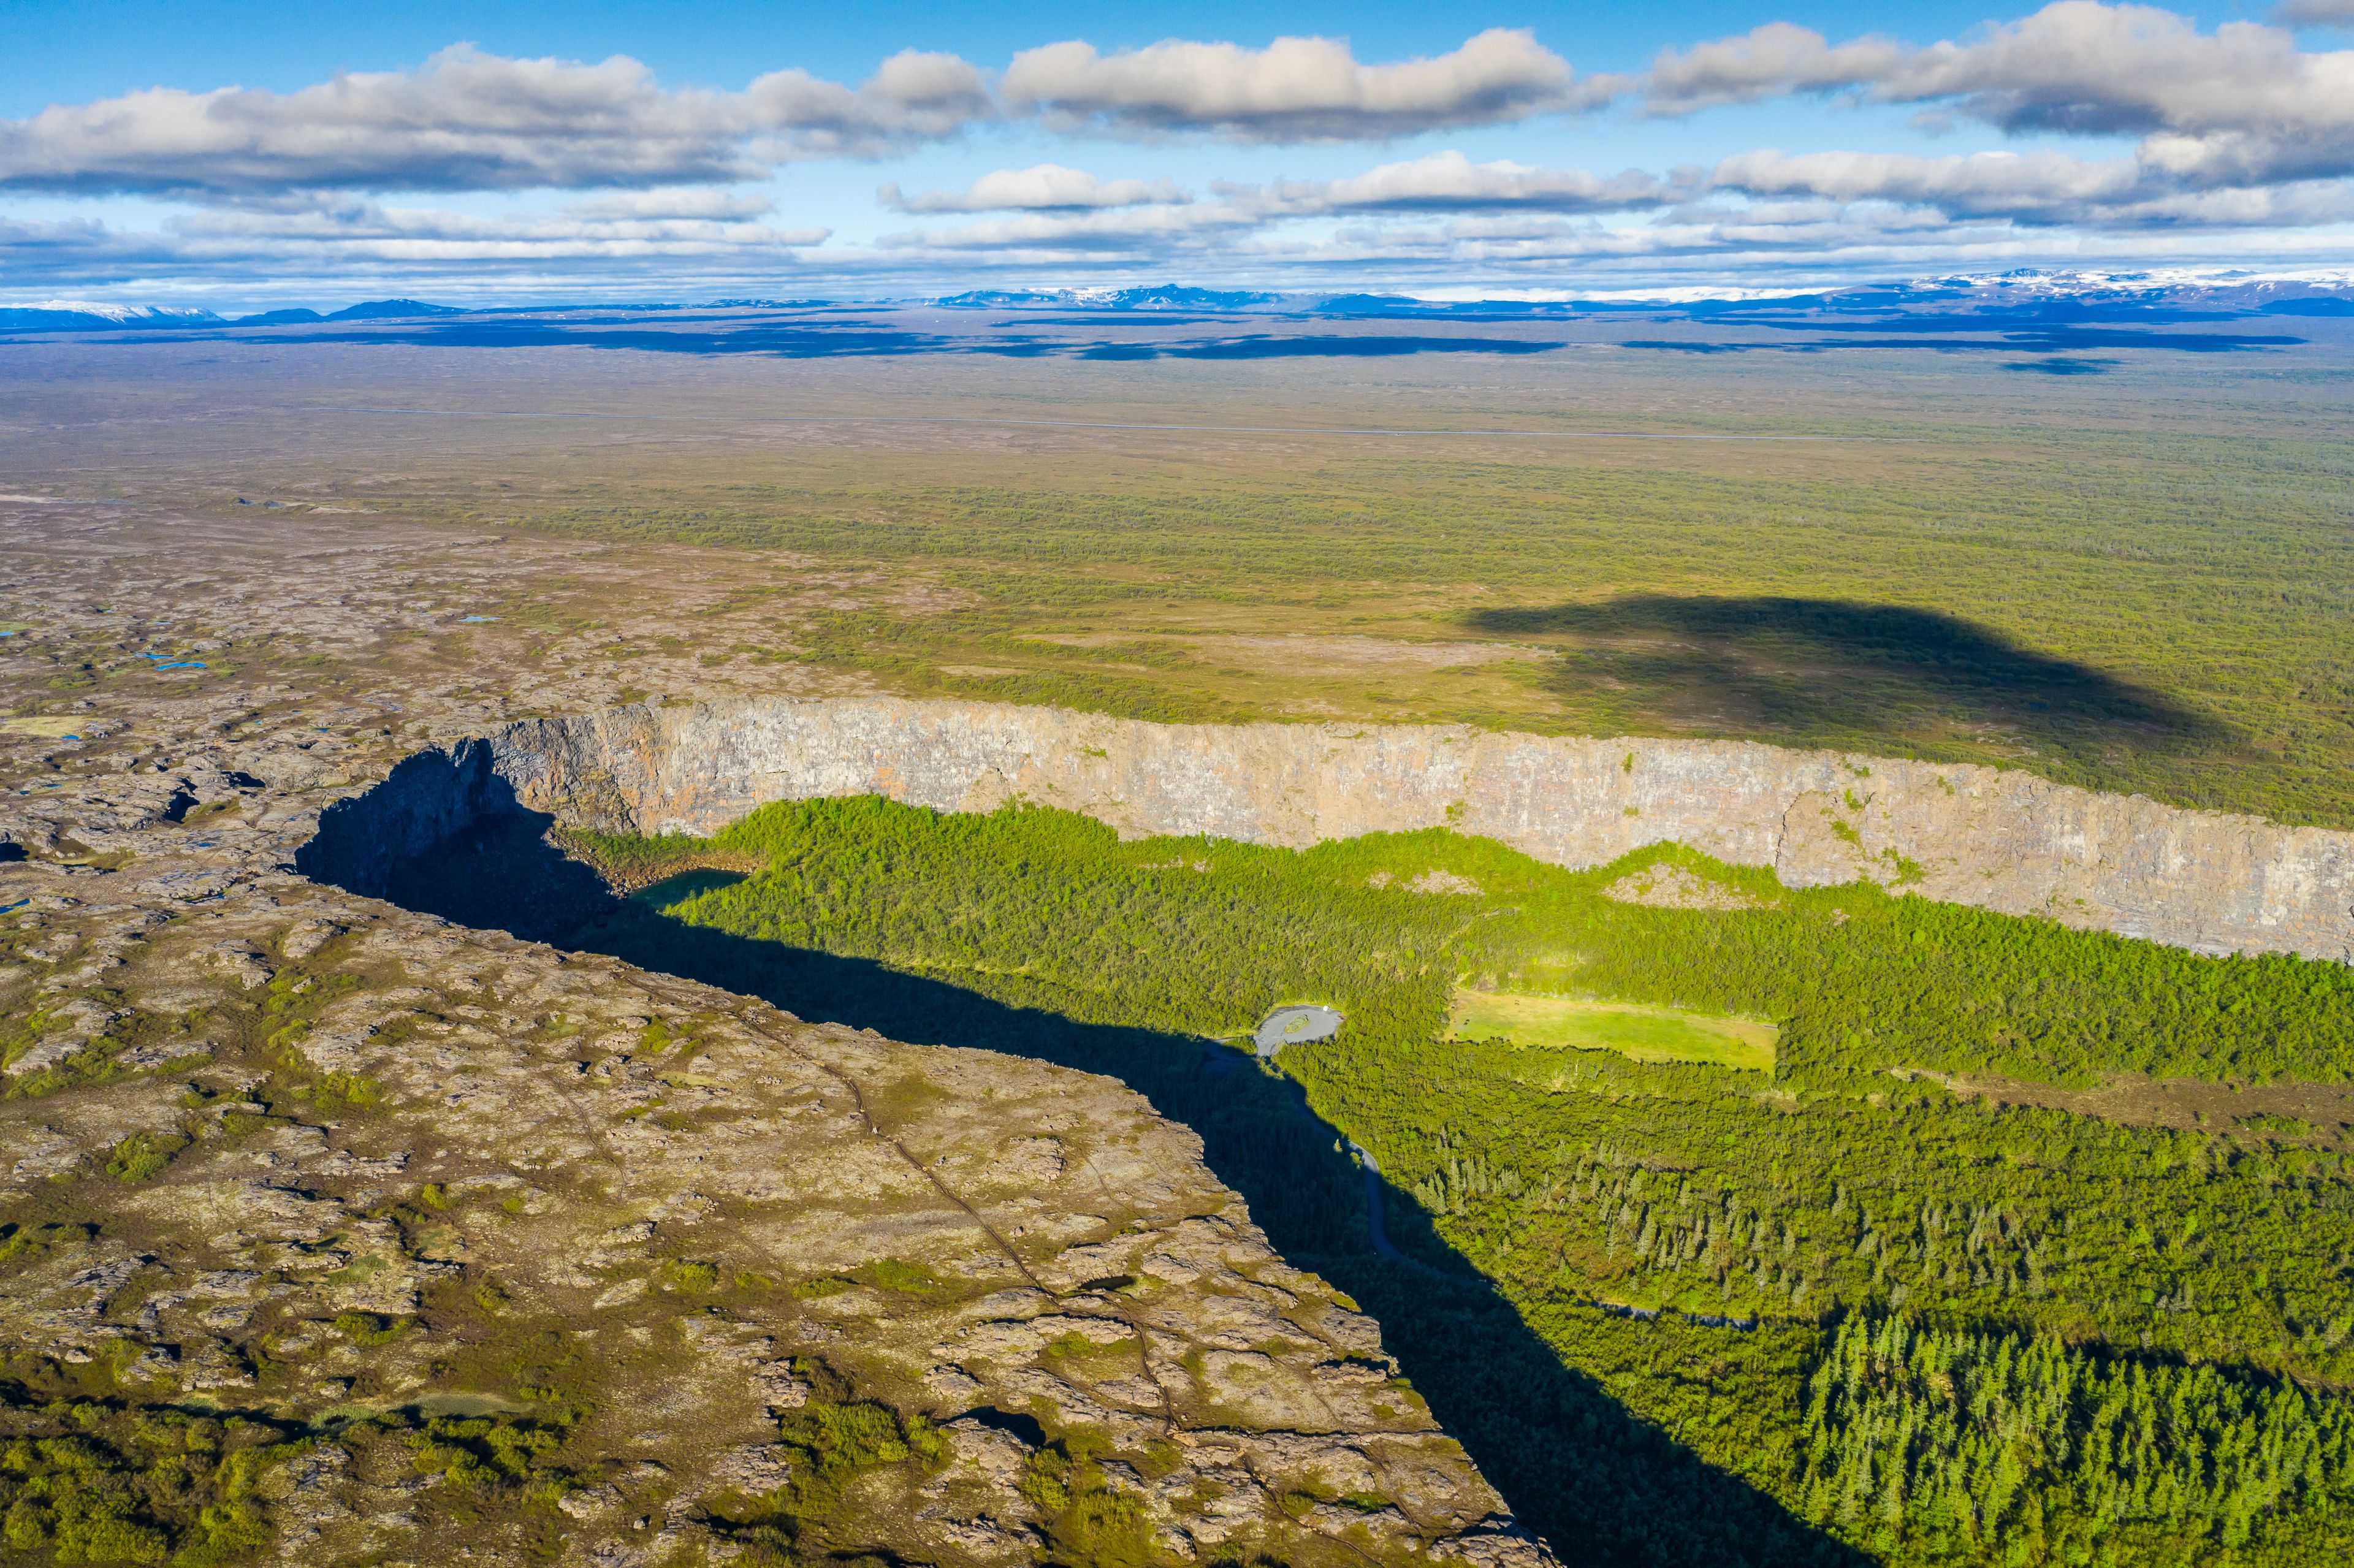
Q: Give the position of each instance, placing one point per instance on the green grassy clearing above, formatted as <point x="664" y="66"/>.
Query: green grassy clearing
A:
<point x="47" y="728"/>
<point x="1637" y="1033"/>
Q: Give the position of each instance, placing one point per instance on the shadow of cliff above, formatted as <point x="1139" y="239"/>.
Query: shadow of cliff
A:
<point x="1941" y="337"/>
<point x="1601" y="1486"/>
<point x="1834" y="671"/>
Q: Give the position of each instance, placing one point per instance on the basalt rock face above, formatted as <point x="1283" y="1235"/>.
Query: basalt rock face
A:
<point x="1999" y="839"/>
<point x="427" y="800"/>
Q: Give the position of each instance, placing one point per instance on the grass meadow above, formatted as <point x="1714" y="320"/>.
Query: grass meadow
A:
<point x="2138" y="580"/>
<point x="2148" y="585"/>
<point x="1637" y="1033"/>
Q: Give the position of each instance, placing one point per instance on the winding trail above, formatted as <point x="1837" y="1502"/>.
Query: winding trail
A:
<point x="1370" y="1169"/>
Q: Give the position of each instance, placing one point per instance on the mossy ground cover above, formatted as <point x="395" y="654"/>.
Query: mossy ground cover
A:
<point x="1956" y="1326"/>
<point x="115" y="1480"/>
<point x="101" y="1481"/>
<point x="835" y="1445"/>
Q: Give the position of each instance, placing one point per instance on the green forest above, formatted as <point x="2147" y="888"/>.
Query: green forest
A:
<point x="1835" y="1312"/>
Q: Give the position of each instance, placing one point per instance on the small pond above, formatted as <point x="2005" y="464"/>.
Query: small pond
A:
<point x="1294" y="1026"/>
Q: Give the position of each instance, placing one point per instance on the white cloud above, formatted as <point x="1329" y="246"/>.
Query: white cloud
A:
<point x="2242" y="105"/>
<point x="912" y="97"/>
<point x="1044" y="187"/>
<point x="669" y="201"/>
<point x="1440" y="181"/>
<point x="2013" y="185"/>
<point x="1146" y="230"/>
<point x="2233" y="131"/>
<point x="1751" y="198"/>
<point x="354" y="238"/>
<point x="2083" y="66"/>
<point x="1766" y="62"/>
<point x="471" y="121"/>
<point x="358" y="229"/>
<point x="356" y="247"/>
<point x="1758" y="238"/>
<point x="1060" y="218"/>
<point x="2039" y="187"/>
<point x="1295" y="90"/>
<point x="1450" y="182"/>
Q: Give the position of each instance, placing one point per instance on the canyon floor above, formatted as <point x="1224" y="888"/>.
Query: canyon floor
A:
<point x="337" y="1231"/>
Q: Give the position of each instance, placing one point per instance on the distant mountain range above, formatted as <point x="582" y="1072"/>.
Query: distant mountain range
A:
<point x="69" y="315"/>
<point x="2075" y="294"/>
<point x="1157" y="297"/>
<point x="2071" y="296"/>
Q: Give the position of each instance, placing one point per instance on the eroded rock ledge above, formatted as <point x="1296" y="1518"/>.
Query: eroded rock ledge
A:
<point x="1995" y="839"/>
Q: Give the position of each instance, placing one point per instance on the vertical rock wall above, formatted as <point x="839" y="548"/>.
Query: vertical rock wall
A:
<point x="1999" y="839"/>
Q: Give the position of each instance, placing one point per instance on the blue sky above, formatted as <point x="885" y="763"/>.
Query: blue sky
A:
<point x="479" y="152"/>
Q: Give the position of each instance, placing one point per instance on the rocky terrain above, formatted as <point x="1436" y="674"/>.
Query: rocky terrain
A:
<point x="330" y="1233"/>
<point x="1998" y="839"/>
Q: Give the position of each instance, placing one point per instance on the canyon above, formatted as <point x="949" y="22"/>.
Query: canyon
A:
<point x="1997" y="839"/>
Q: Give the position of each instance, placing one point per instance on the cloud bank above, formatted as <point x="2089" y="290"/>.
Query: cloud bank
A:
<point x="471" y="121"/>
<point x="2242" y="105"/>
<point x="1044" y="187"/>
<point x="1295" y="90"/>
<point x="2194" y="137"/>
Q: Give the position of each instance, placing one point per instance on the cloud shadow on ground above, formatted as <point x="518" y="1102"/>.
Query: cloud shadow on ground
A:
<point x="2063" y="366"/>
<point x="845" y="337"/>
<point x="1838" y="672"/>
<point x="1315" y="347"/>
<point x="1943" y="337"/>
